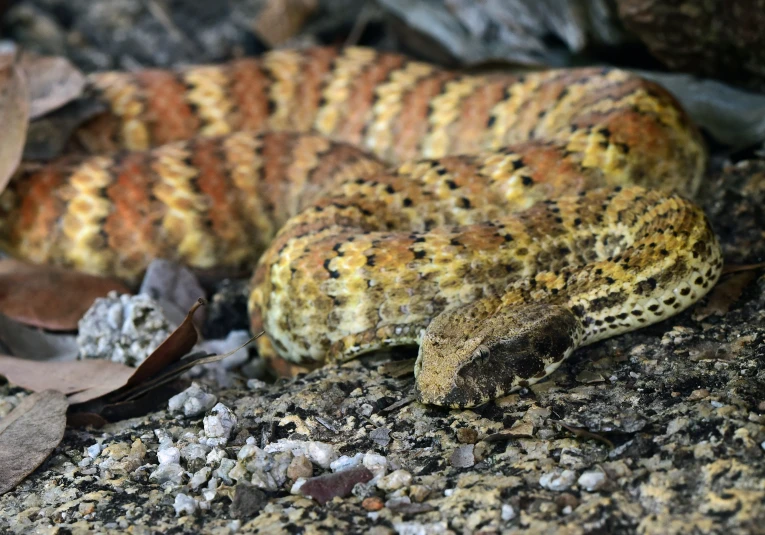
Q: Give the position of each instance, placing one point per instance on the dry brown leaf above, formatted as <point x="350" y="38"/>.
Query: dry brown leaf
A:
<point x="724" y="295"/>
<point x="37" y="344"/>
<point x="29" y="434"/>
<point x="736" y="268"/>
<point x="52" y="81"/>
<point x="48" y="297"/>
<point x="280" y="20"/>
<point x="87" y="379"/>
<point x="14" y="116"/>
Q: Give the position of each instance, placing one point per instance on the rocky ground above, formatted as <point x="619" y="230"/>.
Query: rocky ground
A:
<point x="660" y="431"/>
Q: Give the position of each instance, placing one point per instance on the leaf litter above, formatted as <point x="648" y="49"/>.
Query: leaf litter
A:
<point x="29" y="434"/>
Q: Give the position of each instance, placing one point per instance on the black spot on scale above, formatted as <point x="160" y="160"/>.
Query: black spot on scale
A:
<point x="653" y="308"/>
<point x="491" y="121"/>
<point x="441" y="171"/>
<point x="452" y="184"/>
<point x="371" y="260"/>
<point x="389" y="189"/>
<point x="333" y="274"/>
<point x="685" y="291"/>
<point x="465" y="203"/>
<point x="518" y="164"/>
<point x="699" y="281"/>
<point x="669" y="300"/>
<point x="419" y="255"/>
<point x="337" y="247"/>
<point x="646" y="286"/>
<point x="407" y="202"/>
<point x="527" y="180"/>
<point x="455" y="242"/>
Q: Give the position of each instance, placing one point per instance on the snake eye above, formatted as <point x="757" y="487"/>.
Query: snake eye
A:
<point x="481" y="354"/>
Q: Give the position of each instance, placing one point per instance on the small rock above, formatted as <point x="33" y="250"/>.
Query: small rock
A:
<point x="248" y="501"/>
<point x="226" y="465"/>
<point x="297" y="485"/>
<point x="467" y="435"/>
<point x="373" y="503"/>
<point x="184" y="505"/>
<point x="592" y="480"/>
<point x="558" y="481"/>
<point x="171" y="455"/>
<point x="219" y="425"/>
<point x="344" y="462"/>
<point x="381" y="436"/>
<point x="324" y="488"/>
<point x="377" y="464"/>
<point x="200" y="477"/>
<point x="419" y="493"/>
<point x="462" y="457"/>
<point x="395" y="480"/>
<point x="94" y="450"/>
<point x="299" y="467"/>
<point x="168" y="473"/>
<point x="508" y="513"/>
<point x="122" y="328"/>
<point x="321" y="453"/>
<point x="192" y="402"/>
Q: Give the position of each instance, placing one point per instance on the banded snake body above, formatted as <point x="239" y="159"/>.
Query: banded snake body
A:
<point x="499" y="222"/>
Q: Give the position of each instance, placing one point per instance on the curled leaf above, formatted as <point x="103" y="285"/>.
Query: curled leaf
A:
<point x="14" y="116"/>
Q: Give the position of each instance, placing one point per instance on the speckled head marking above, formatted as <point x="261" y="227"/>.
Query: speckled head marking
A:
<point x="472" y="354"/>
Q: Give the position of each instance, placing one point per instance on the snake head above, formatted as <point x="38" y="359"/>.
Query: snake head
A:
<point x="473" y="354"/>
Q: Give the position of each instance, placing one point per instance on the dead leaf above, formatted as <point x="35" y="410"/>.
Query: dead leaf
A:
<point x="14" y="116"/>
<point x="724" y="295"/>
<point x="735" y="268"/>
<point x="280" y="20"/>
<point x="87" y="379"/>
<point x="36" y="344"/>
<point x="29" y="434"/>
<point x="52" y="81"/>
<point x="48" y="297"/>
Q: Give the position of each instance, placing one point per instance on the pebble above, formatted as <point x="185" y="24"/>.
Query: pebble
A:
<point x="395" y="480"/>
<point x="94" y="450"/>
<point x="592" y="480"/>
<point x="200" y="477"/>
<point x="319" y="453"/>
<point x="184" y="505"/>
<point x="300" y="467"/>
<point x="192" y="402"/>
<point x="462" y="456"/>
<point x="122" y="328"/>
<point x="373" y="503"/>
<point x="344" y="462"/>
<point x="558" y="481"/>
<point x="168" y="473"/>
<point x="170" y="455"/>
<point x="375" y="463"/>
<point x="508" y="513"/>
<point x="219" y="425"/>
<point x="299" y="482"/>
<point x="419" y="493"/>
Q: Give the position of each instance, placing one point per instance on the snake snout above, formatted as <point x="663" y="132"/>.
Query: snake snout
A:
<point x="511" y="349"/>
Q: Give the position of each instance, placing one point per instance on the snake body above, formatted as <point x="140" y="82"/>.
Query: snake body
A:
<point x="523" y="216"/>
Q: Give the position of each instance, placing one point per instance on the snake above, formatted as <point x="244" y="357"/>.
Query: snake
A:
<point x="497" y="221"/>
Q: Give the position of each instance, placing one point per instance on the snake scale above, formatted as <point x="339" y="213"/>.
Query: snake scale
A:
<point x="499" y="221"/>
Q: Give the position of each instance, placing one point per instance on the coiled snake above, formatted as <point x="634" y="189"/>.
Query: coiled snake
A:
<point x="527" y="216"/>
